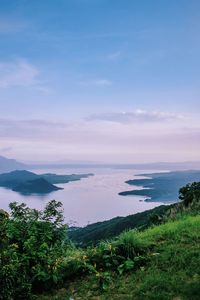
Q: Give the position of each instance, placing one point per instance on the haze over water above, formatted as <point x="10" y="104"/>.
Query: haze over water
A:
<point x="88" y="200"/>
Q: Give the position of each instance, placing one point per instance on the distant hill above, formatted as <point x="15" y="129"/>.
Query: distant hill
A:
<point x="27" y="182"/>
<point x="14" y="178"/>
<point x="7" y="165"/>
<point x="39" y="186"/>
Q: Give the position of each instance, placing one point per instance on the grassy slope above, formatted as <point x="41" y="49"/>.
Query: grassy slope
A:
<point x="93" y="233"/>
<point x="172" y="272"/>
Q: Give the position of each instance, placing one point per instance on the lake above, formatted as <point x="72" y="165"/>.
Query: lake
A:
<point x="90" y="199"/>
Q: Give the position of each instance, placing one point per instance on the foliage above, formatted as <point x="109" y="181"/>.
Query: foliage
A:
<point x="190" y="193"/>
<point x="32" y="247"/>
<point x="126" y="253"/>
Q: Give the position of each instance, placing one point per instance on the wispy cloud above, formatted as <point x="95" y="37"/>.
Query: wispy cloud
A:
<point x="135" y="116"/>
<point x="30" y="124"/>
<point x="97" y="82"/>
<point x="21" y="73"/>
<point x="110" y="141"/>
<point x="18" y="73"/>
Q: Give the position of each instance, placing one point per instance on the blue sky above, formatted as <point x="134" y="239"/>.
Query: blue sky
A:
<point x="100" y="80"/>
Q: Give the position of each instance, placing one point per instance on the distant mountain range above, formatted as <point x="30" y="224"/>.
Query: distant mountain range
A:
<point x="170" y="166"/>
<point x="7" y="165"/>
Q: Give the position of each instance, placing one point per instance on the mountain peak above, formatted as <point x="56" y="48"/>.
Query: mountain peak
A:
<point x="8" y="165"/>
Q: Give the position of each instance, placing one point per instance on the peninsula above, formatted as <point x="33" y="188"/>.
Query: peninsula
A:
<point x="161" y="187"/>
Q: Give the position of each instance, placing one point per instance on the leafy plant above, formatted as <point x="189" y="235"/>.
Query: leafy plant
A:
<point x="126" y="266"/>
<point x="104" y="279"/>
<point x="190" y="193"/>
<point x="32" y="247"/>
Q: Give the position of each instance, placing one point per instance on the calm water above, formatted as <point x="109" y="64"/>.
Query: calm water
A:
<point x="88" y="200"/>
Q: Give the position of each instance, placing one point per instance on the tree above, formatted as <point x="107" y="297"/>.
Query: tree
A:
<point x="190" y="193"/>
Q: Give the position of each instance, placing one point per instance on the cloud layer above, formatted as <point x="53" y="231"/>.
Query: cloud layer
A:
<point x="139" y="139"/>
<point x="135" y="116"/>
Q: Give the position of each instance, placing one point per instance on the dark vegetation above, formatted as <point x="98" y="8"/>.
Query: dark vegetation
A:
<point x="27" y="182"/>
<point x="160" y="262"/>
<point x="39" y="186"/>
<point x="56" y="179"/>
<point x="162" y="186"/>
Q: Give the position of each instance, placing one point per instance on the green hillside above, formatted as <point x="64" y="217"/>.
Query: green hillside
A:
<point x="159" y="263"/>
<point x="93" y="233"/>
<point x="171" y="270"/>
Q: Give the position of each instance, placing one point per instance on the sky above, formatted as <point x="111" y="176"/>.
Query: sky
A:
<point x="100" y="80"/>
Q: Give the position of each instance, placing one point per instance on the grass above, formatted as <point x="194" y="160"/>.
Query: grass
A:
<point x="171" y="270"/>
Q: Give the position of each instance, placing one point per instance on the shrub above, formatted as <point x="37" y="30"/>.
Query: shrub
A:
<point x="129" y="244"/>
<point x="32" y="247"/>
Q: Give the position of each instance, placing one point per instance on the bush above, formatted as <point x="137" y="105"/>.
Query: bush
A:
<point x="128" y="253"/>
<point x="32" y="247"/>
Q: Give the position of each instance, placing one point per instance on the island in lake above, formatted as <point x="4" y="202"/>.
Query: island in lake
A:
<point x="26" y="182"/>
<point x="161" y="187"/>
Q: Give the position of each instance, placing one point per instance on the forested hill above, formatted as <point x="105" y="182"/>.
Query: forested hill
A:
<point x="93" y="233"/>
<point x="27" y="182"/>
